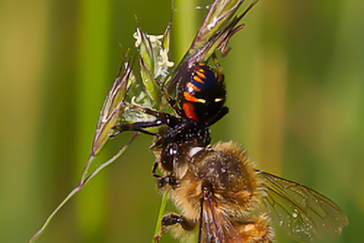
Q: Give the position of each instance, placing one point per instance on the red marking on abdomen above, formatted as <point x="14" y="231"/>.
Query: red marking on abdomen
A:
<point x="190" y="111"/>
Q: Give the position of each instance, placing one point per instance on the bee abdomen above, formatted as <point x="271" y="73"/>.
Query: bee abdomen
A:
<point x="258" y="231"/>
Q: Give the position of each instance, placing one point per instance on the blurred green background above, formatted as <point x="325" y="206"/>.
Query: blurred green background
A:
<point x="295" y="80"/>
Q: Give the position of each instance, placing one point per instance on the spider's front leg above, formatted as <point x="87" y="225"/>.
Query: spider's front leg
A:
<point x="137" y="127"/>
<point x="218" y="66"/>
<point x="162" y="118"/>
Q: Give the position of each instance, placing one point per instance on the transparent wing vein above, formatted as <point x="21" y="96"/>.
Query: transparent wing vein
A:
<point x="304" y="213"/>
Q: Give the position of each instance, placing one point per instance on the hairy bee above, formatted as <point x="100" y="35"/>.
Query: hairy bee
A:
<point x="231" y="201"/>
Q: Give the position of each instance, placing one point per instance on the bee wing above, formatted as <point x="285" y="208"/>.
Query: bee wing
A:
<point x="304" y="213"/>
<point x="215" y="227"/>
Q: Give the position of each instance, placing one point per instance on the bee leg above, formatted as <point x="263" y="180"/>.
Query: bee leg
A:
<point x="164" y="180"/>
<point x="169" y="179"/>
<point x="173" y="219"/>
<point x="154" y="168"/>
<point x="256" y="232"/>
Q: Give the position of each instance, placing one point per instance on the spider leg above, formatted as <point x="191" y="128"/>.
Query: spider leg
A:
<point x="137" y="126"/>
<point x="217" y="64"/>
<point x="172" y="102"/>
<point x="162" y="118"/>
<point x="220" y="115"/>
<point x="148" y="111"/>
<point x="181" y="127"/>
